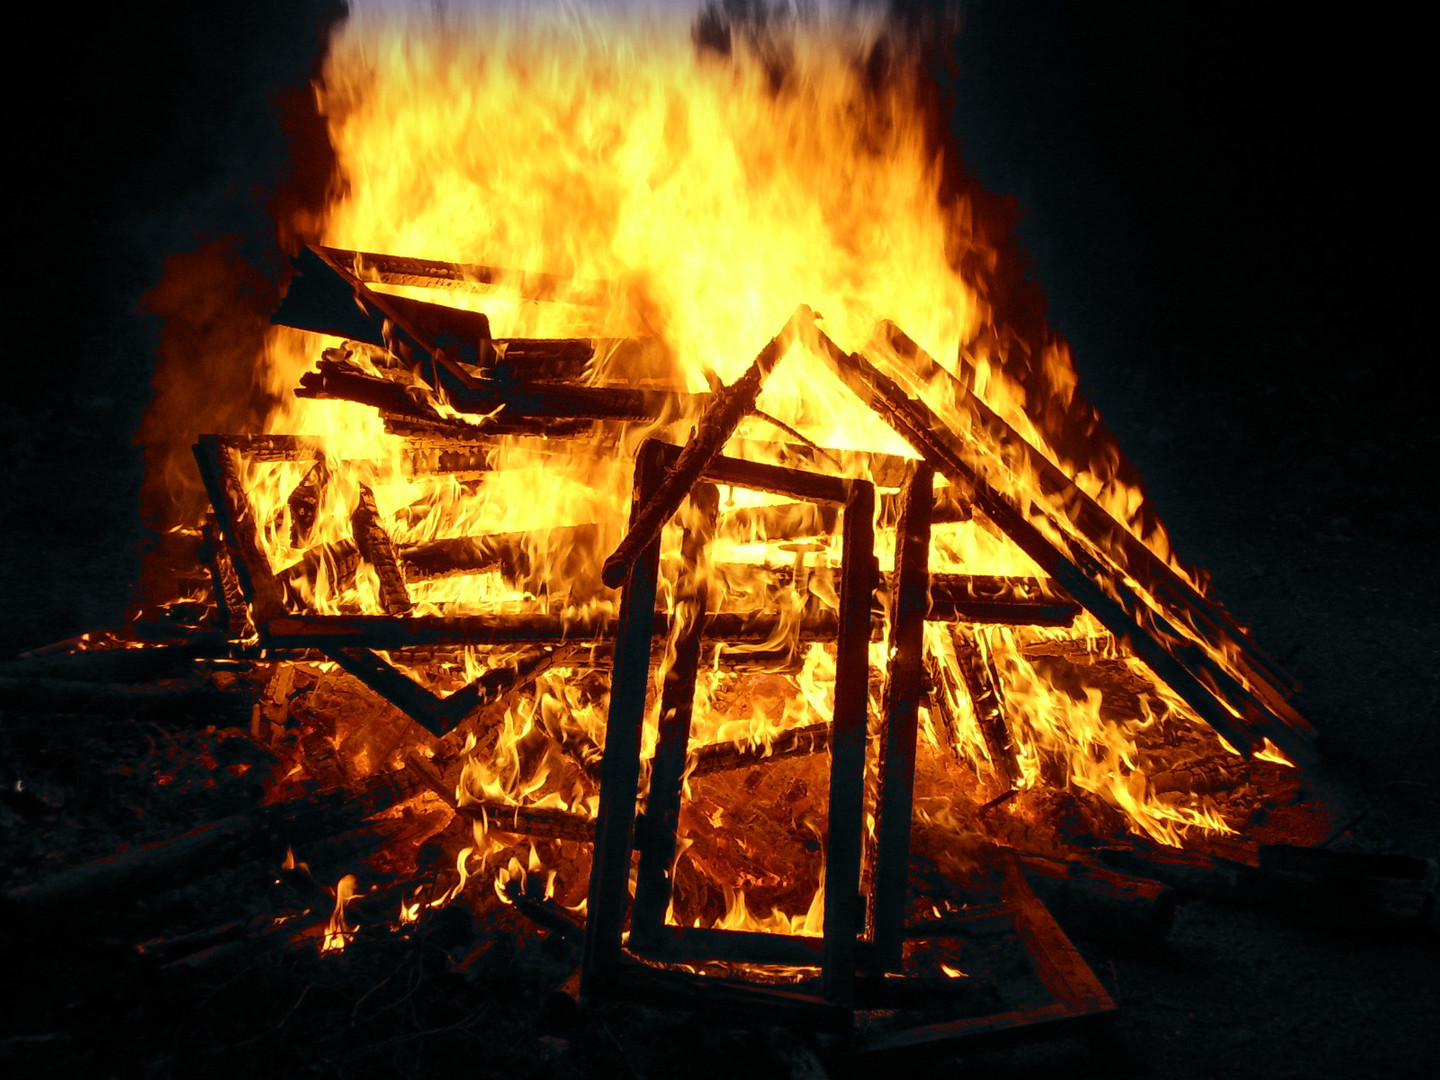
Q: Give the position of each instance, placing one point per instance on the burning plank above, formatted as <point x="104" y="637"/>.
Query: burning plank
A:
<point x="1236" y="714"/>
<point x="895" y="803"/>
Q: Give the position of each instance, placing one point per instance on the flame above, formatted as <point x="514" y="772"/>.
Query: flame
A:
<point x="338" y="933"/>
<point x="690" y="201"/>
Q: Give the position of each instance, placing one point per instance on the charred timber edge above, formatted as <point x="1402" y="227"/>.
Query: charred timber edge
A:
<point x="544" y="821"/>
<point x="1173" y="592"/>
<point x="917" y="423"/>
<point x="906" y="645"/>
<point x="677" y="704"/>
<point x="713" y="429"/>
<point x="532" y="285"/>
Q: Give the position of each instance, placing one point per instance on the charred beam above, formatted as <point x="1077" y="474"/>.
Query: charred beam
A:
<point x="385" y="632"/>
<point x="548" y="822"/>
<point x="844" y="844"/>
<point x="982" y="682"/>
<point x="1236" y="714"/>
<point x="721" y="757"/>
<point x="219" y="469"/>
<point x="374" y="544"/>
<point x="608" y="894"/>
<point x="910" y="592"/>
<point x="1180" y="602"/>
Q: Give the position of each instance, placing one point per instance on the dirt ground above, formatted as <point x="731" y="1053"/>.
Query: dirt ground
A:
<point x="1226" y="218"/>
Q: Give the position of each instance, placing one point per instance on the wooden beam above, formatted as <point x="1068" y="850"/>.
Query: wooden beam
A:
<point x="1235" y="714"/>
<point x="609" y="892"/>
<point x="844" y="842"/>
<point x="886" y="913"/>
<point x="677" y="703"/>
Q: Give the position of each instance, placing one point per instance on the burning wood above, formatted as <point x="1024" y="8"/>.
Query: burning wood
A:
<point x="799" y="604"/>
<point x="824" y="639"/>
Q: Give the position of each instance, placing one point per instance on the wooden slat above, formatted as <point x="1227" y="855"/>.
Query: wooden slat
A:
<point x="844" y="842"/>
<point x="677" y="702"/>
<point x="1212" y="692"/>
<point x="902" y="697"/>
<point x="609" y="891"/>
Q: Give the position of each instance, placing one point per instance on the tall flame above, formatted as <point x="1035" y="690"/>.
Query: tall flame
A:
<point x="693" y="188"/>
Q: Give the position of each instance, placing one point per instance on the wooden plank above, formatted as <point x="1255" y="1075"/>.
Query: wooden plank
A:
<point x="976" y="668"/>
<point x="620" y="770"/>
<point x="844" y="842"/>
<point x="677" y="702"/>
<point x="1056" y="962"/>
<point x="714" y="427"/>
<point x="220" y="471"/>
<point x="1212" y="692"/>
<point x="433" y="273"/>
<point x="374" y="545"/>
<point x="906" y="643"/>
<point x="504" y="405"/>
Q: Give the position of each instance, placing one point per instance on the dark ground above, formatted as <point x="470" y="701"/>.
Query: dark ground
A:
<point x="1229" y="221"/>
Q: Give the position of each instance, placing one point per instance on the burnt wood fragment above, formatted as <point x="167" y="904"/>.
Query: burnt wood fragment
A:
<point x="677" y="702"/>
<point x="374" y="544"/>
<point x="549" y="822"/>
<point x="304" y="504"/>
<point x="987" y="700"/>
<point x="1221" y="701"/>
<point x="547" y="914"/>
<point x="219" y="469"/>
<point x="740" y="754"/>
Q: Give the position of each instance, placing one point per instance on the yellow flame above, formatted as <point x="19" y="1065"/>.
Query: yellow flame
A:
<point x="338" y="932"/>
